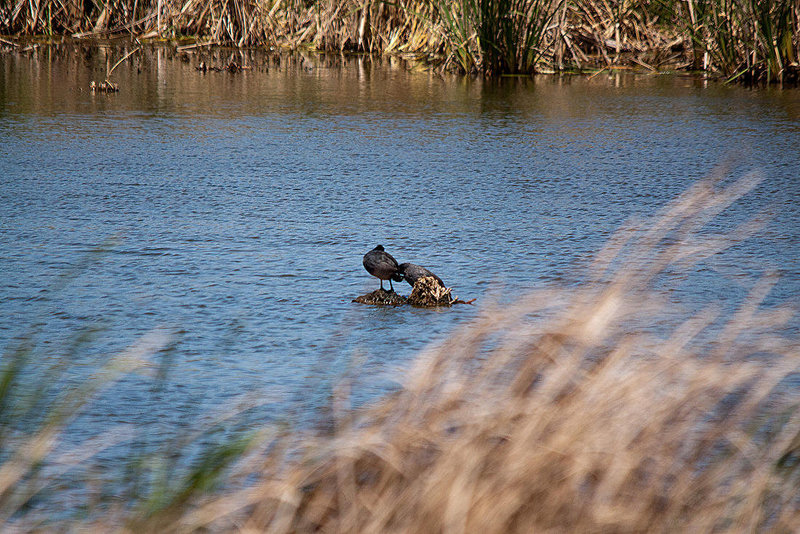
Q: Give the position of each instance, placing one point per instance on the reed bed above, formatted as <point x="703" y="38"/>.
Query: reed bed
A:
<point x="742" y="40"/>
<point x="598" y="408"/>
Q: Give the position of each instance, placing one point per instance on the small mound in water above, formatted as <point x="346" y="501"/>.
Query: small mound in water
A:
<point x="428" y="292"/>
<point x="382" y="297"/>
<point x="103" y="87"/>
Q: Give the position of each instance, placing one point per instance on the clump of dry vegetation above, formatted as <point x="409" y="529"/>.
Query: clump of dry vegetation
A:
<point x="428" y="292"/>
<point x="381" y="297"/>
<point x="588" y="409"/>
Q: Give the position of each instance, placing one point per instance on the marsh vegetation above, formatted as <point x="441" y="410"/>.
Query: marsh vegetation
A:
<point x="737" y="39"/>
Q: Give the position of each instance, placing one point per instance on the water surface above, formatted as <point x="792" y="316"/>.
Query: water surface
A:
<point x="234" y="209"/>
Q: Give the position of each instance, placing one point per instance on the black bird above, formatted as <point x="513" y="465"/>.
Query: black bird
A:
<point x="412" y="273"/>
<point x="382" y="265"/>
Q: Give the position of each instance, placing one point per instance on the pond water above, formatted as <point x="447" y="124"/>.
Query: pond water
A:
<point x="233" y="209"/>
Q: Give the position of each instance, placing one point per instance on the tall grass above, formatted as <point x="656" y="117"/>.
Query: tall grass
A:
<point x="371" y="26"/>
<point x="496" y="36"/>
<point x="741" y="39"/>
<point x="49" y="482"/>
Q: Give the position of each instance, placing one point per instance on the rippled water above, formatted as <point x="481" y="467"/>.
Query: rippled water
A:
<point x="234" y="209"/>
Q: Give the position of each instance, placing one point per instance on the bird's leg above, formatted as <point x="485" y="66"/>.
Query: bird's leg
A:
<point x="381" y="284"/>
<point x="391" y="288"/>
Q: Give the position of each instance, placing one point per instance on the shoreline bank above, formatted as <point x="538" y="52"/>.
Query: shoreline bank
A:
<point x="752" y="44"/>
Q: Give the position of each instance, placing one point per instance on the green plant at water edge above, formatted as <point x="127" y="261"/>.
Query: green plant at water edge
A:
<point x="457" y="25"/>
<point x="746" y="39"/>
<point x="694" y="16"/>
<point x="495" y="36"/>
<point x="512" y="33"/>
<point x="775" y="31"/>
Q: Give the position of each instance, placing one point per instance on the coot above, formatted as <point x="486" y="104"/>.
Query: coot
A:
<point x="382" y="265"/>
<point x="412" y="273"/>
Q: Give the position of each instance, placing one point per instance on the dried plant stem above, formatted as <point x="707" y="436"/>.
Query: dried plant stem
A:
<point x="126" y="56"/>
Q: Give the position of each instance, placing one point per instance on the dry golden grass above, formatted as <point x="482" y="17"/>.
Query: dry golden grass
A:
<point x="586" y="409"/>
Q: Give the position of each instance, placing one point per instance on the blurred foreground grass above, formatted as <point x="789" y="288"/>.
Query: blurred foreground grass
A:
<point x="598" y="408"/>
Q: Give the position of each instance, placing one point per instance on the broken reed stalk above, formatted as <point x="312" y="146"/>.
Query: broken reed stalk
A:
<point x="580" y="409"/>
<point x="117" y="64"/>
<point x="107" y="86"/>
